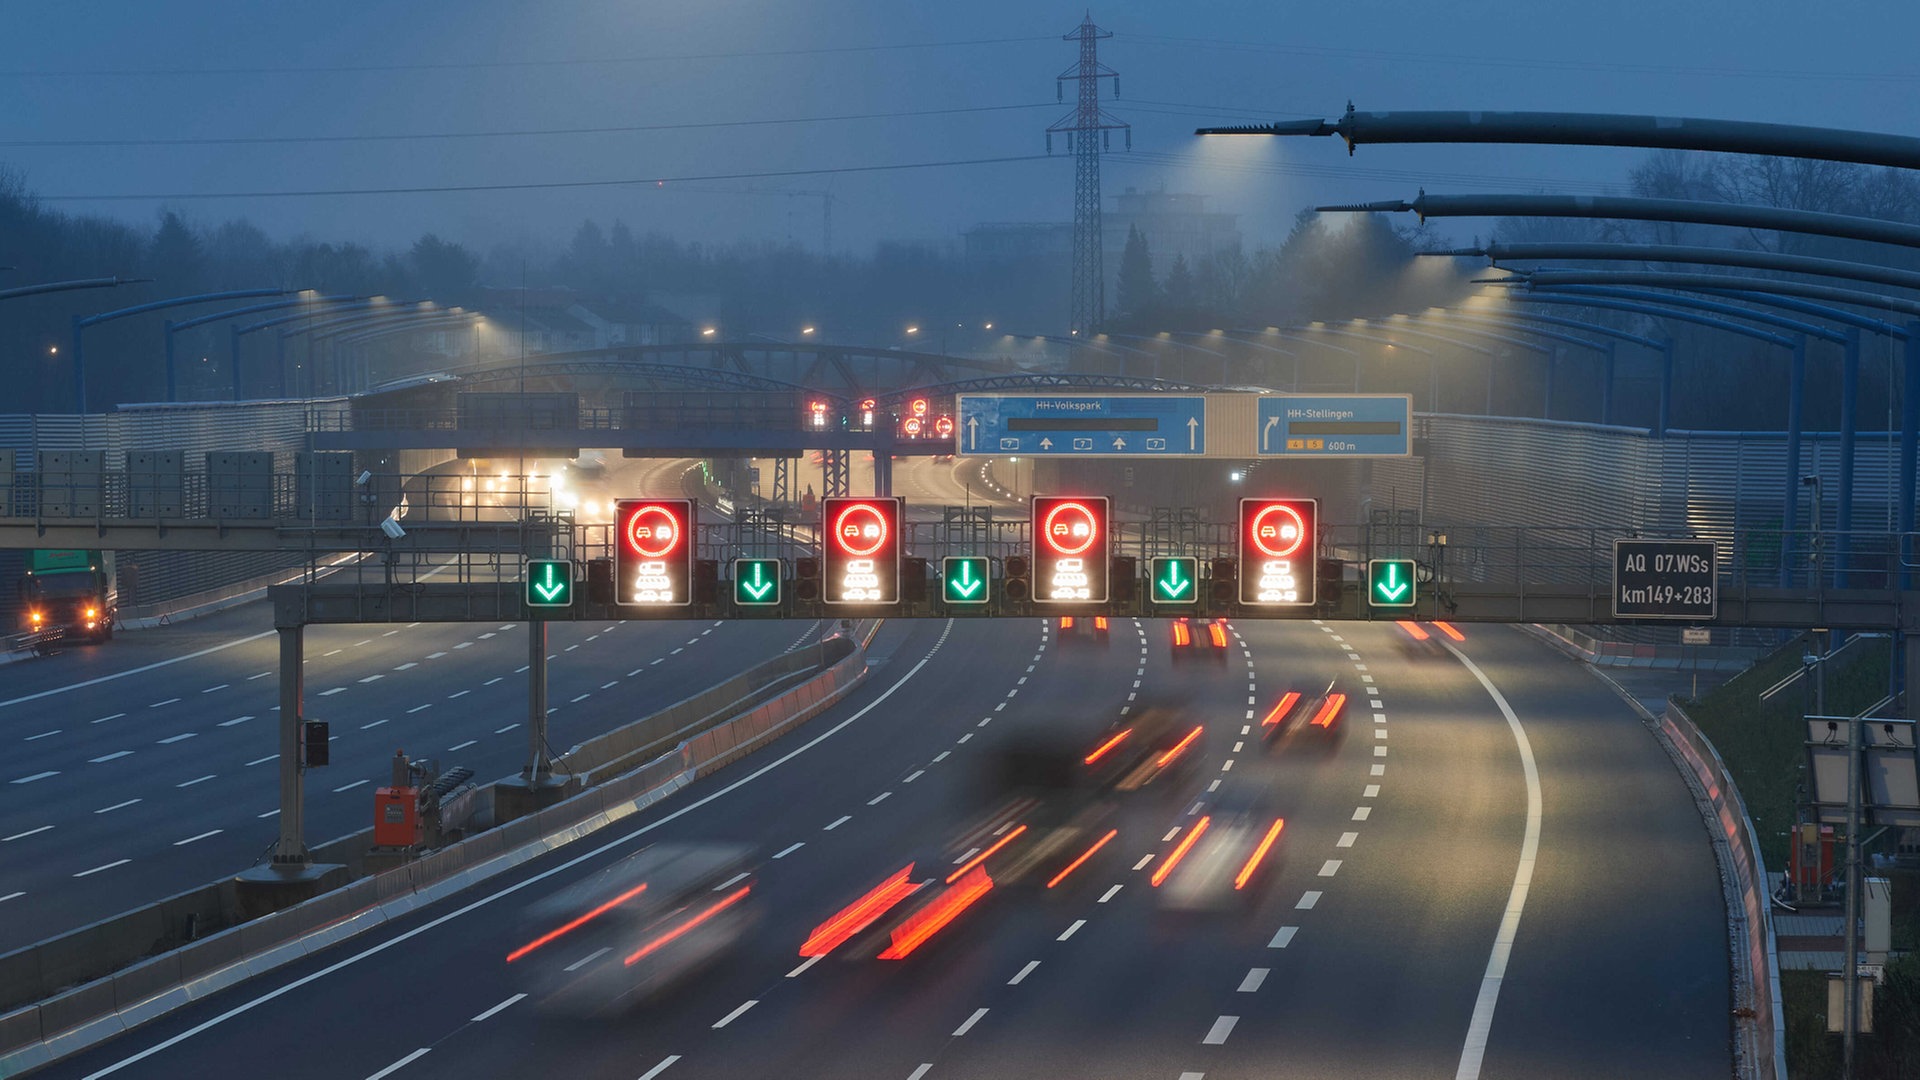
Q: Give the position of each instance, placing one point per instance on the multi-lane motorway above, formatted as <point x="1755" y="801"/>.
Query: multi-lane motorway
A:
<point x="1369" y="954"/>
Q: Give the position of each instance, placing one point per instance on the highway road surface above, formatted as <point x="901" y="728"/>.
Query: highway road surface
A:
<point x="1479" y="784"/>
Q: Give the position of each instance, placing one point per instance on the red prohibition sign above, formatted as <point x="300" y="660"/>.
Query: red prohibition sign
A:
<point x="1290" y="531"/>
<point x="849" y="533"/>
<point x="652" y="531"/>
<point x="1059" y="536"/>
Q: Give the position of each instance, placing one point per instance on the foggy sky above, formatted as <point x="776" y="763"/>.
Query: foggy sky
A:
<point x="111" y="71"/>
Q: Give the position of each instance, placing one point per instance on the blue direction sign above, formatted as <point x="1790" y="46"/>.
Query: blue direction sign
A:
<point x="1351" y="425"/>
<point x="1076" y="425"/>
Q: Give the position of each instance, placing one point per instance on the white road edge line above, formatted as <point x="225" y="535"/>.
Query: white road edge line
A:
<point x="373" y="950"/>
<point x="1481" y="1024"/>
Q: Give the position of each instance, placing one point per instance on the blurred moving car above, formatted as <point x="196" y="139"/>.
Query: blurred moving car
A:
<point x="1158" y="746"/>
<point x="1301" y="719"/>
<point x="1192" y="638"/>
<point x="1224" y="859"/>
<point x="638" y="928"/>
<point x="1084" y="628"/>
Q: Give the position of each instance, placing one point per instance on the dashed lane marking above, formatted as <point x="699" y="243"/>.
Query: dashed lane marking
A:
<point x="1330" y="868"/>
<point x="350" y="787"/>
<point x="802" y="969"/>
<point x="104" y="719"/>
<point x="1346" y="839"/>
<point x="195" y="780"/>
<point x="24" y="835"/>
<point x="202" y="836"/>
<point x="401" y="1064"/>
<point x="497" y="1009"/>
<point x="182" y="737"/>
<point x="103" y="866"/>
<point x="1255" y="976"/>
<point x="1217" y="1034"/>
<point x="837" y="822"/>
<point x="462" y="746"/>
<point x="1283" y="937"/>
<point x="1307" y="901"/>
<point x="790" y="849"/>
<point x="1109" y="894"/>
<point x="736" y="1013"/>
<point x="1071" y="930"/>
<point x="660" y="1068"/>
<point x="970" y="1021"/>
<point x="1362" y="813"/>
<point x="37" y="776"/>
<point x="1024" y="972"/>
<point x="109" y="757"/>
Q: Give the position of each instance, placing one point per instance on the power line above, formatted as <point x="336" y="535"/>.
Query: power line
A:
<point x="470" y="65"/>
<point x="258" y="140"/>
<point x="1455" y="61"/>
<point x="439" y="189"/>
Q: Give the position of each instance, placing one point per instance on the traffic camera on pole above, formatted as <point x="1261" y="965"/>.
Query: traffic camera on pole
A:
<point x="1278" y="552"/>
<point x="653" y="552"/>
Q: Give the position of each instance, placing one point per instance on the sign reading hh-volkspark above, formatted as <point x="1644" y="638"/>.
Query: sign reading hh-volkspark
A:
<point x="1665" y="579"/>
<point x="1075" y="425"/>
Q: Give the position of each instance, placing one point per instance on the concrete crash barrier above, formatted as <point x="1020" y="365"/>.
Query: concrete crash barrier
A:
<point x="126" y="990"/>
<point x="1759" y="1022"/>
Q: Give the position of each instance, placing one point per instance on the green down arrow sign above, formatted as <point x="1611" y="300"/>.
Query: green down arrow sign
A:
<point x="756" y="582"/>
<point x="549" y="583"/>
<point x="1173" y="578"/>
<point x="1390" y="582"/>
<point x="965" y="578"/>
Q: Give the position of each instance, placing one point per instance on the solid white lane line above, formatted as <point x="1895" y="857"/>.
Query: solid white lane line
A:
<point x="1307" y="901"/>
<point x="1475" y="1047"/>
<point x="234" y="721"/>
<point x="109" y="757"/>
<point x="735" y="1014"/>
<point x="1218" y="1033"/>
<point x="1069" y="932"/>
<point x="401" y="1064"/>
<point x="116" y="806"/>
<point x="802" y="969"/>
<point x="497" y="1008"/>
<point x="202" y="836"/>
<point x="971" y="1020"/>
<point x="1283" y="937"/>
<point x="1347" y="839"/>
<point x="37" y="776"/>
<point x="841" y="820"/>
<point x="23" y="835"/>
<point x="790" y="849"/>
<point x="660" y="1068"/>
<point x="195" y="780"/>
<point x="1109" y="894"/>
<point x="106" y="866"/>
<point x="1024" y="972"/>
<point x="1255" y="976"/>
<point x="588" y="959"/>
